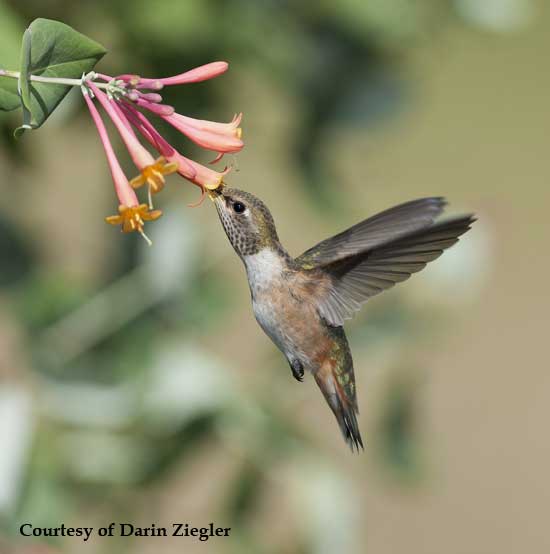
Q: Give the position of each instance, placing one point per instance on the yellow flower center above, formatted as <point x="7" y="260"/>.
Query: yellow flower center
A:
<point x="154" y="174"/>
<point x="213" y="193"/>
<point x="132" y="218"/>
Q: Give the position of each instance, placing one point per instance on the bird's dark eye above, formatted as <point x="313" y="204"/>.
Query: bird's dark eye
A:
<point x="239" y="207"/>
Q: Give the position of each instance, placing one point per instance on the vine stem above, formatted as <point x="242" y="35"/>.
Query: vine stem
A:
<point x="51" y="80"/>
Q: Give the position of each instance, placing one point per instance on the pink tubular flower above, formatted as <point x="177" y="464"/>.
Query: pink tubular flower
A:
<point x="201" y="73"/>
<point x="139" y="154"/>
<point x="198" y="174"/>
<point x="123" y="189"/>
<point x="204" y="176"/>
<point x="220" y="137"/>
<point x="155" y="107"/>
<point x="131" y="214"/>
<point x="151" y="171"/>
<point x="123" y="98"/>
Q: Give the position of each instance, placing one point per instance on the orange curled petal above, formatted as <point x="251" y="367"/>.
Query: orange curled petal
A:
<point x="138" y="181"/>
<point x="114" y="219"/>
<point x="170" y="168"/>
<point x="151" y="216"/>
<point x="143" y="211"/>
<point x="201" y="199"/>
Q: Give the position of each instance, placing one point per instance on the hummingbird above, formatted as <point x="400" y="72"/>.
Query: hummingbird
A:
<point x="301" y="303"/>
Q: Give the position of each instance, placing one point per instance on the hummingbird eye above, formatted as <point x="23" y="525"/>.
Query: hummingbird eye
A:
<point x="239" y="207"/>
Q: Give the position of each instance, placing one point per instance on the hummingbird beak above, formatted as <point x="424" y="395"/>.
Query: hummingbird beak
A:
<point x="217" y="198"/>
<point x="215" y="195"/>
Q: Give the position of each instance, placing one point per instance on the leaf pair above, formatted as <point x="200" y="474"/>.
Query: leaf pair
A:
<point x="49" y="49"/>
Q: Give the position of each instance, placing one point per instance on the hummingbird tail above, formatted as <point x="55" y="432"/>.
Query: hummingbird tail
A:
<point x="341" y="400"/>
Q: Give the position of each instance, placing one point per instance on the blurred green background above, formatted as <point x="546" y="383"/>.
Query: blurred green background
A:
<point x="135" y="385"/>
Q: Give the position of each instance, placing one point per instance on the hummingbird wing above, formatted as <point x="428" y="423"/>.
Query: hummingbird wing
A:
<point x="364" y="272"/>
<point x="378" y="229"/>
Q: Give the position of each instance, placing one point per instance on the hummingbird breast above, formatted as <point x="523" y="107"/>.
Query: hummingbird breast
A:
<point x="284" y="303"/>
<point x="285" y="298"/>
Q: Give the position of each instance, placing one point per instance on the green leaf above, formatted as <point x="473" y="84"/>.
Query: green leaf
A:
<point x="10" y="33"/>
<point x="9" y="99"/>
<point x="51" y="49"/>
<point x="24" y="83"/>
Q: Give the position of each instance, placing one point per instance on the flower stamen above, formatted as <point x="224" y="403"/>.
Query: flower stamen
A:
<point x="154" y="174"/>
<point x="132" y="218"/>
<point x="146" y="238"/>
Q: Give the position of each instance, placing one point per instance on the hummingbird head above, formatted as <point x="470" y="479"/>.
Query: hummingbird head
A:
<point x="247" y="222"/>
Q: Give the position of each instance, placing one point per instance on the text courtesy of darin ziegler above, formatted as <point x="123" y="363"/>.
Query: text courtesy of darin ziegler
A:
<point x="126" y="530"/>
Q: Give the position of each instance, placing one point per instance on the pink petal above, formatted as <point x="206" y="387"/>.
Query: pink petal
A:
<point x="144" y="126"/>
<point x="152" y="84"/>
<point x="219" y="142"/>
<point x="104" y="77"/>
<point x="191" y="170"/>
<point x="202" y="73"/>
<point x="128" y="78"/>
<point x="125" y="193"/>
<point x="130" y="113"/>
<point x="217" y="158"/>
<point x="230" y="129"/>
<point x="122" y="117"/>
<point x="137" y="82"/>
<point x="204" y="176"/>
<point x="159" y="109"/>
<point x="141" y="157"/>
<point x="150" y="97"/>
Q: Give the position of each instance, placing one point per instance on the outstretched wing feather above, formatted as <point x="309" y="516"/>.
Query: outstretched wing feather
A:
<point x="357" y="278"/>
<point x="375" y="231"/>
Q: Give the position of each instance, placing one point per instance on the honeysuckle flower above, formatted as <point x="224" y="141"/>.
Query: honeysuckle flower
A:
<point x="195" y="172"/>
<point x="124" y="191"/>
<point x="196" y="75"/>
<point x="204" y="176"/>
<point x="124" y="98"/>
<point x="150" y="84"/>
<point x="131" y="214"/>
<point x="220" y="137"/>
<point x="152" y="171"/>
<point x="155" y="107"/>
<point x="135" y="95"/>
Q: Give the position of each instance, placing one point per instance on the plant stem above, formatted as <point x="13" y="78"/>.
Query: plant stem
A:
<point x="50" y="80"/>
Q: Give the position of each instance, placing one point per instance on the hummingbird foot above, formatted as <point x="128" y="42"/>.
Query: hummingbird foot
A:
<point x="297" y="370"/>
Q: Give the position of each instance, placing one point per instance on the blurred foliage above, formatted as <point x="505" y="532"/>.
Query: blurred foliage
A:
<point x="15" y="251"/>
<point x="10" y="45"/>
<point x="399" y="446"/>
<point x="348" y="67"/>
<point x="118" y="412"/>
